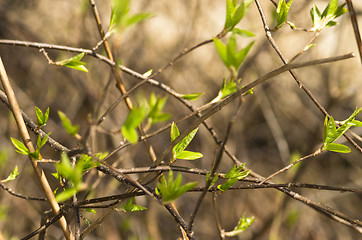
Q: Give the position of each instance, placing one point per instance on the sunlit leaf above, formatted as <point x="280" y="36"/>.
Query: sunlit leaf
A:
<point x="12" y="176"/>
<point x="20" y="147"/>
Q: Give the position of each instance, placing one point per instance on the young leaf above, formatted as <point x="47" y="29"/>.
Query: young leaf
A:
<point x="41" y="118"/>
<point x="336" y="147"/>
<point x="243" y="224"/>
<point x="243" y="33"/>
<point x="130" y="207"/>
<point x="331" y="133"/>
<point x="20" y="147"/>
<point x="137" y="18"/>
<point x="148" y="73"/>
<point x="74" y="63"/>
<point x="155" y="110"/>
<point x="282" y="12"/>
<point x="227" y="89"/>
<point x="173" y="189"/>
<point x="174" y="131"/>
<point x="12" y="175"/>
<point x="66" y="194"/>
<point x="235" y="12"/>
<point x="192" y="96"/>
<point x="222" y="50"/>
<point x="213" y="181"/>
<point x="120" y="9"/>
<point x="188" y="155"/>
<point x="180" y="147"/>
<point x="235" y="174"/>
<point x="68" y="126"/>
<point x="134" y="118"/>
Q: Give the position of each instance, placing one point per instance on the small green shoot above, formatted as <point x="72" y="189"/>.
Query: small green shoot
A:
<point x="178" y="151"/>
<point x="129" y="206"/>
<point x="20" y="147"/>
<point x="213" y="181"/>
<point x="235" y="12"/>
<point x="234" y="175"/>
<point x="231" y="57"/>
<point x="243" y="224"/>
<point x="227" y="89"/>
<point x="155" y="113"/>
<point x="192" y="96"/>
<point x="134" y="118"/>
<point x="331" y="133"/>
<point x="120" y="17"/>
<point x="74" y="63"/>
<point x="40" y="117"/>
<point x="148" y="73"/>
<point x="326" y="19"/>
<point x="67" y="124"/>
<point x="12" y="176"/>
<point x="173" y="189"/>
<point x="282" y="12"/>
<point x="74" y="176"/>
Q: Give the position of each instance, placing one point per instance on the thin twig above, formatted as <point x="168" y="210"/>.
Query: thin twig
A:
<point x="357" y="34"/>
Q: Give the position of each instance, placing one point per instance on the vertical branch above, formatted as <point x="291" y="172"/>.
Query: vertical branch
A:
<point x="26" y="139"/>
<point x="357" y="34"/>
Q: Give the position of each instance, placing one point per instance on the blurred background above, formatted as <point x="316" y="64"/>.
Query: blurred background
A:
<point x="276" y="124"/>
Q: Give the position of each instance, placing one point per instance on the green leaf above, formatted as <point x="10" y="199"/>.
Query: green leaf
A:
<point x="90" y="210"/>
<point x="20" y="147"/>
<point x="315" y="15"/>
<point x="137" y="18"/>
<point x="282" y="12"/>
<point x="12" y="176"/>
<point x="180" y="147"/>
<point x="241" y="55"/>
<point x="234" y="175"/>
<point x="134" y="118"/>
<point x="148" y="73"/>
<point x="66" y="194"/>
<point x="174" y="131"/>
<point x="235" y="12"/>
<point x="243" y="224"/>
<point x="120" y="9"/>
<point x="213" y="181"/>
<point x="243" y="33"/>
<point x="227" y="89"/>
<point x="41" y="118"/>
<point x="192" y="96"/>
<point x="74" y="63"/>
<point x="188" y="155"/>
<point x="336" y="147"/>
<point x="68" y="126"/>
<point x="156" y="105"/>
<point x="222" y="51"/>
<point x="330" y="9"/>
<point x="130" y="207"/>
<point x="173" y="189"/>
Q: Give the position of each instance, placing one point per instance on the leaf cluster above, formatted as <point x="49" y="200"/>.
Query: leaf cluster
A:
<point x="235" y="174"/>
<point x="172" y="189"/>
<point x="331" y="133"/>
<point x="178" y="151"/>
<point x="325" y="19"/>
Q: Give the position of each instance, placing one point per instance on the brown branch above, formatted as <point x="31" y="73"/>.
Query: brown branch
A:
<point x="357" y="34"/>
